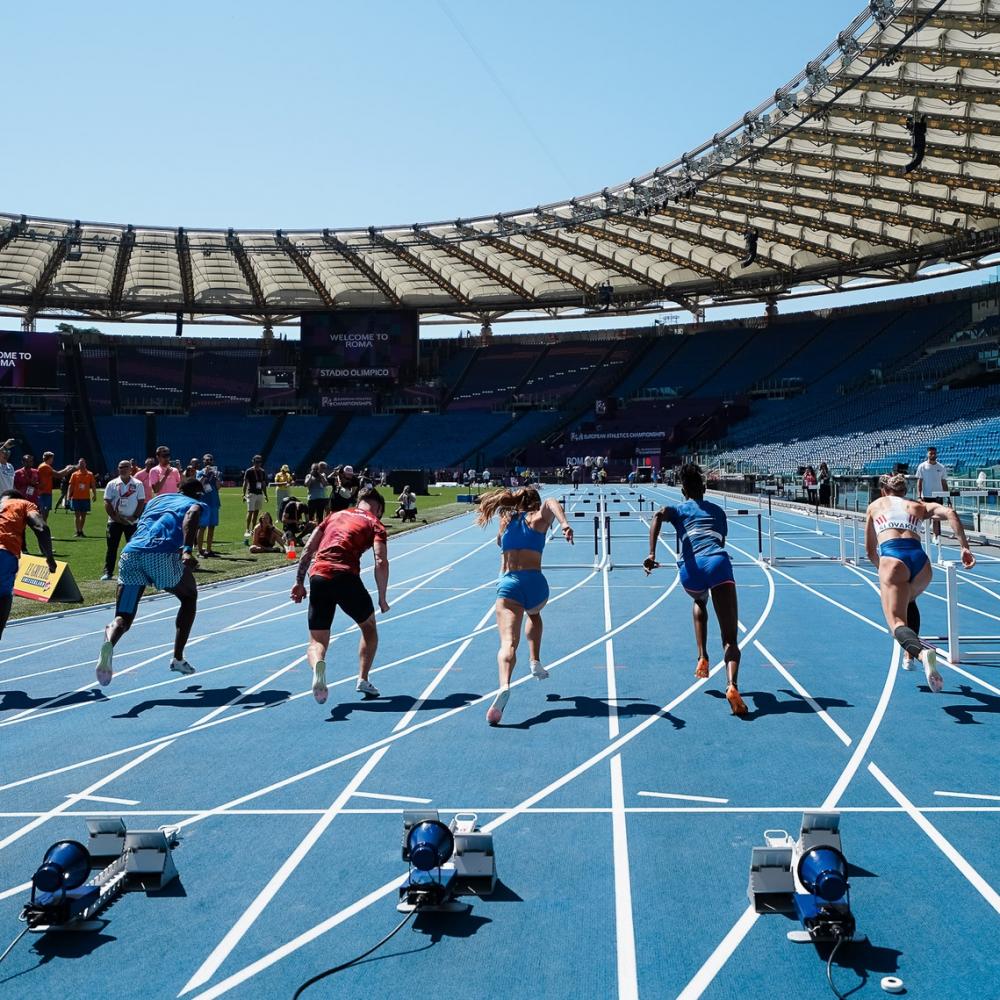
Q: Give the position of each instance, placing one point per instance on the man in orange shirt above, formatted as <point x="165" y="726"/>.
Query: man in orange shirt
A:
<point x="82" y="493"/>
<point x="17" y="514"/>
<point x="47" y="475"/>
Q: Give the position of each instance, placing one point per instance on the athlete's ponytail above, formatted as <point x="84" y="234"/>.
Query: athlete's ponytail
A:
<point x="895" y="484"/>
<point x="497" y="501"/>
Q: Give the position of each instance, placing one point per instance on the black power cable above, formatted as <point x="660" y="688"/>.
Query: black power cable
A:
<point x="357" y="958"/>
<point x="829" y="968"/>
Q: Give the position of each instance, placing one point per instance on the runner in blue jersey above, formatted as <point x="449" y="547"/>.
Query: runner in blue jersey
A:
<point x="705" y="568"/>
<point x="159" y="554"/>
<point x="522" y="588"/>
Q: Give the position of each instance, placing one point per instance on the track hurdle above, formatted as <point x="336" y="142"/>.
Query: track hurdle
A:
<point x="772" y="559"/>
<point x="597" y="549"/>
<point x="741" y="513"/>
<point x="954" y="650"/>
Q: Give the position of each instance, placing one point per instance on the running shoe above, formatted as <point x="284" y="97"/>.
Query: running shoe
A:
<point x="320" y="689"/>
<point x="105" y="577"/>
<point x="538" y="671"/>
<point x="736" y="703"/>
<point x="104" y="664"/>
<point x="181" y="667"/>
<point x="701" y="671"/>
<point x="366" y="687"/>
<point x="495" y="712"/>
<point x="934" y="680"/>
<point x="908" y="662"/>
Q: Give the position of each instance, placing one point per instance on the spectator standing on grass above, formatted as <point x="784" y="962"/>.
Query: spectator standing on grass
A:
<point x="6" y="469"/>
<point x="346" y="486"/>
<point x="316" y="485"/>
<point x="47" y="476"/>
<point x="124" y="500"/>
<point x="26" y="479"/>
<point x="282" y="484"/>
<point x="163" y="479"/>
<point x="82" y="493"/>
<point x="208" y="476"/>
<point x="143" y="475"/>
<point x="931" y="484"/>
<point x="254" y="492"/>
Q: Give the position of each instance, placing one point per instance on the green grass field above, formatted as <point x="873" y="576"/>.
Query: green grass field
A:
<point x="86" y="555"/>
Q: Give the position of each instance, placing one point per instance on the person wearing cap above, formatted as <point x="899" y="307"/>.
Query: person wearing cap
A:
<point x="47" y="476"/>
<point x="282" y="484"/>
<point x="159" y="554"/>
<point x="254" y="492"/>
<point x="345" y="488"/>
<point x="208" y="476"/>
<point x="6" y="469"/>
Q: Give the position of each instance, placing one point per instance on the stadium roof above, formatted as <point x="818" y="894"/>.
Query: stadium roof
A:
<point x="880" y="161"/>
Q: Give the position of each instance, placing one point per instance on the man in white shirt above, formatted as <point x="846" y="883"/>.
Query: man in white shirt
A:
<point x="931" y="484"/>
<point x="6" y="469"/>
<point x="124" y="500"/>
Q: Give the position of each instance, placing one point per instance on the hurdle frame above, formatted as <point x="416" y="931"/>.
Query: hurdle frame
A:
<point x="954" y="650"/>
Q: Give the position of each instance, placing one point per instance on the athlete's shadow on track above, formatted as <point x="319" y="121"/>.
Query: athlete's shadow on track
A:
<point x="398" y="703"/>
<point x="49" y="947"/>
<point x="593" y="708"/>
<point x="208" y="698"/>
<point x="765" y="703"/>
<point x="11" y="701"/>
<point x="963" y="714"/>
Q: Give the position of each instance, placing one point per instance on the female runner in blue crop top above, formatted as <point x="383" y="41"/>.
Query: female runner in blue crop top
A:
<point x="705" y="568"/>
<point x="522" y="589"/>
<point x="892" y="539"/>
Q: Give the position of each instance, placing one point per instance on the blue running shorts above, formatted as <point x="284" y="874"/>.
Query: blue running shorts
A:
<point x="906" y="550"/>
<point x="527" y="587"/>
<point x="706" y="572"/>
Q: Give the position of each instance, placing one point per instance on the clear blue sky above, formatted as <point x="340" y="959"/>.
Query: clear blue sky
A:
<point x="312" y="114"/>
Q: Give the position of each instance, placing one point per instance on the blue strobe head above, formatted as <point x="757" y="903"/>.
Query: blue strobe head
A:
<point x="66" y="866"/>
<point x="822" y="870"/>
<point x="430" y="844"/>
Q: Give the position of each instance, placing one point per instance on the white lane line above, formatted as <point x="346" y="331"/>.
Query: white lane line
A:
<point x="107" y="799"/>
<point x="614" y="729"/>
<point x="440" y="675"/>
<point x="73" y="799"/>
<point x="266" y="961"/>
<point x="708" y="971"/>
<point x="393" y="798"/>
<point x="940" y="841"/>
<point x="684" y="798"/>
<point x="253" y="689"/>
<point x="725" y="948"/>
<point x="628" y="980"/>
<point x="249" y="916"/>
<point x="15" y="891"/>
<point x="804" y="694"/>
<point x="968" y="795"/>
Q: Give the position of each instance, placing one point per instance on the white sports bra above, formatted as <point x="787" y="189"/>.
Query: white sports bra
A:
<point x="897" y="518"/>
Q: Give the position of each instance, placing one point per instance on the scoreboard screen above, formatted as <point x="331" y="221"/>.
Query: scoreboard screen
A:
<point x="373" y="345"/>
<point x="28" y="360"/>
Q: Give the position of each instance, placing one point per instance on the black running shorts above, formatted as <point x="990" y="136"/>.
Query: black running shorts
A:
<point x="343" y="590"/>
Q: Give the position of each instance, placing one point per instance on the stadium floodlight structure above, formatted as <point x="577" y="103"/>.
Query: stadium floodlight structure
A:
<point x="877" y="163"/>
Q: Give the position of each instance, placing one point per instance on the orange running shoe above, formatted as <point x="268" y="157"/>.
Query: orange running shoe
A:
<point x="736" y="703"/>
<point x="702" y="669"/>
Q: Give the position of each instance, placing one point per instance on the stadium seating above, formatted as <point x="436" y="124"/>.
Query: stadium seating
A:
<point x="223" y="379"/>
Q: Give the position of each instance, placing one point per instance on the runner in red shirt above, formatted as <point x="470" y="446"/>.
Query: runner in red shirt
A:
<point x="334" y="552"/>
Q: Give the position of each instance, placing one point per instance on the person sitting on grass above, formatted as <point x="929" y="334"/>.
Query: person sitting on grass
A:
<point x="266" y="537"/>
<point x="295" y="521"/>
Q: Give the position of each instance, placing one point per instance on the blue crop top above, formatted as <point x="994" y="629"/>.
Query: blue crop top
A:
<point x="520" y="535"/>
